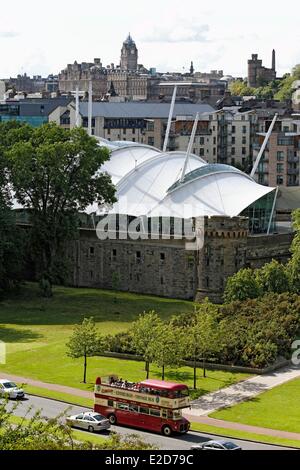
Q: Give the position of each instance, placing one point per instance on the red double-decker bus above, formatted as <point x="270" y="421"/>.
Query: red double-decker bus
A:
<point x="153" y="405"/>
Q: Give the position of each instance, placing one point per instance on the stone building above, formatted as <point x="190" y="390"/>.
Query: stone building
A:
<point x="136" y="122"/>
<point x="133" y="82"/>
<point x="280" y="165"/>
<point x="258" y="75"/>
<point x="224" y="136"/>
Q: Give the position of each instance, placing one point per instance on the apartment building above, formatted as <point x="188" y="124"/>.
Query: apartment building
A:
<point x="280" y="165"/>
<point x="224" y="136"/>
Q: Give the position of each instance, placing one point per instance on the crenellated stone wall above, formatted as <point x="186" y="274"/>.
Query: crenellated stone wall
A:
<point x="170" y="268"/>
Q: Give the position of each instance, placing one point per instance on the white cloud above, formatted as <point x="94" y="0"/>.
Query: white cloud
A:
<point x="179" y="33"/>
<point x="8" y="34"/>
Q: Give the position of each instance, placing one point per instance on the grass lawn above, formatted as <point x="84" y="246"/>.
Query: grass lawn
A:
<point x="276" y="409"/>
<point x="36" y="331"/>
<point x="224" y="432"/>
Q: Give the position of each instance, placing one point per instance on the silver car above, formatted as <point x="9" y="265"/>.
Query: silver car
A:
<point x="216" y="445"/>
<point x="11" y="390"/>
<point x="92" y="422"/>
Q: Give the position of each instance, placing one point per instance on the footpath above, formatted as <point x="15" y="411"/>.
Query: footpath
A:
<point x="204" y="406"/>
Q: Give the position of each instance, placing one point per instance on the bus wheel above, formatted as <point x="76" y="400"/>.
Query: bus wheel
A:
<point x="167" y="431"/>
<point x="112" y="419"/>
<point x="90" y="429"/>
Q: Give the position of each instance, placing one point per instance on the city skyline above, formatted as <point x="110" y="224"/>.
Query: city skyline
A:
<point x="36" y="43"/>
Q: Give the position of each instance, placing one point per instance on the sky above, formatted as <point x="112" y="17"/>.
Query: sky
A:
<point x="40" y="38"/>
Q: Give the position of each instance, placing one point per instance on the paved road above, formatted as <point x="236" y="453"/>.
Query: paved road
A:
<point x="52" y="408"/>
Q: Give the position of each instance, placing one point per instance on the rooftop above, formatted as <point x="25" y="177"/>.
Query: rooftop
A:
<point x="143" y="110"/>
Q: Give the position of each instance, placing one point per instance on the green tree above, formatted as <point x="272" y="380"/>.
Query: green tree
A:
<point x="203" y="336"/>
<point x="11" y="253"/>
<point x="273" y="277"/>
<point x="166" y="347"/>
<point x="242" y="286"/>
<point x="85" y="342"/>
<point x="143" y="334"/>
<point x="55" y="175"/>
<point x="240" y="88"/>
<point x="293" y="267"/>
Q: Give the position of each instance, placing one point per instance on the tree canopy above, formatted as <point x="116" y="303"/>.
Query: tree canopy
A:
<point x="85" y="342"/>
<point x="55" y="174"/>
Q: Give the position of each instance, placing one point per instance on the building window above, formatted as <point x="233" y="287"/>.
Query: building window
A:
<point x="138" y="257"/>
<point x="214" y="151"/>
<point x="124" y="131"/>
<point x="280" y="180"/>
<point x="233" y="140"/>
<point x="279" y="168"/>
<point x="114" y="255"/>
<point x="108" y="131"/>
<point x="201" y="140"/>
<point x="244" y="140"/>
<point x="151" y="141"/>
<point x="280" y="156"/>
<point x="244" y="129"/>
<point x="162" y="281"/>
<point x="207" y="282"/>
<point x="92" y="274"/>
<point x="92" y="251"/>
<point x="133" y="139"/>
<point x="201" y="153"/>
<point x="133" y="130"/>
<point x="233" y="151"/>
<point x="162" y="257"/>
<point x="244" y="151"/>
<point x="233" y="129"/>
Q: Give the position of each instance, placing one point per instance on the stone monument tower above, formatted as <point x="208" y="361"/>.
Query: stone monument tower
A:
<point x="129" y="55"/>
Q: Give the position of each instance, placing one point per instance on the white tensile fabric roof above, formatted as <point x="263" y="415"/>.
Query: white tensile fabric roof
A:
<point x="148" y="183"/>
<point x="223" y="193"/>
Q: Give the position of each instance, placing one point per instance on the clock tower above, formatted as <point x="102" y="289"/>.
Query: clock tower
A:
<point x="129" y="55"/>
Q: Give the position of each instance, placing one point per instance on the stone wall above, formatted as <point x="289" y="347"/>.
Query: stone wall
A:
<point x="156" y="267"/>
<point x="171" y="268"/>
<point x="263" y="249"/>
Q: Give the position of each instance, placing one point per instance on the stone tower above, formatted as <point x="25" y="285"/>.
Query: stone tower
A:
<point x="129" y="55"/>
<point x="274" y="60"/>
<point x="223" y="253"/>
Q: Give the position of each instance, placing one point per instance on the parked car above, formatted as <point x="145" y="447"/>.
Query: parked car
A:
<point x="216" y="445"/>
<point x="11" y="390"/>
<point x="92" y="422"/>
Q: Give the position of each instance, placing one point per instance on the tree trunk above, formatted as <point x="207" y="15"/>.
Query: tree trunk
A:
<point x="84" y="369"/>
<point x="163" y="372"/>
<point x="204" y="368"/>
<point x="147" y="367"/>
<point x="195" y="374"/>
<point x="46" y="287"/>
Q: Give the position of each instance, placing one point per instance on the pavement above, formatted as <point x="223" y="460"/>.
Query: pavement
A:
<point x="242" y="391"/>
<point x="209" y="403"/>
<point x="52" y="408"/>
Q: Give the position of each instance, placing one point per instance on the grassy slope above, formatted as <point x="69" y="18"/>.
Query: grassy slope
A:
<point x="223" y="432"/>
<point x="276" y="409"/>
<point x="36" y="331"/>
